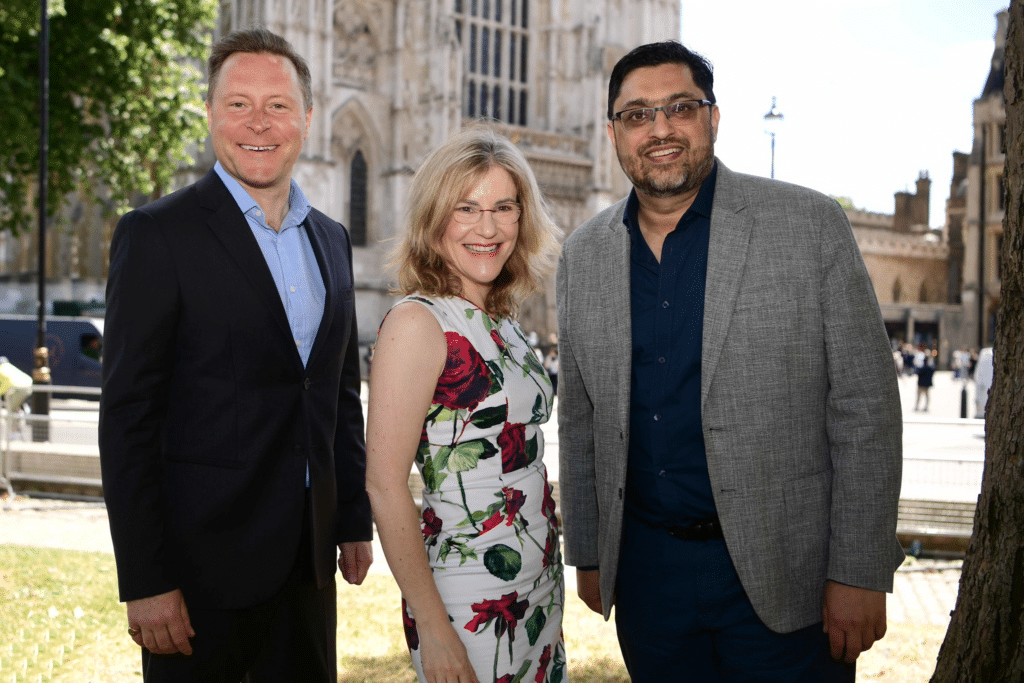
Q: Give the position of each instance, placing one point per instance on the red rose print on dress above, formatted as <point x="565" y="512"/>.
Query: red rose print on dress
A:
<point x="542" y="668"/>
<point x="548" y="506"/>
<point x="498" y="341"/>
<point x="431" y="527"/>
<point x="465" y="381"/>
<point x="507" y="611"/>
<point x="513" y="503"/>
<point x="512" y="441"/>
<point x="492" y="521"/>
<point x="412" y="637"/>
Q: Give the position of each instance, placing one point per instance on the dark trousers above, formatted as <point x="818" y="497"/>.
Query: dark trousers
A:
<point x="682" y="615"/>
<point x="290" y="637"/>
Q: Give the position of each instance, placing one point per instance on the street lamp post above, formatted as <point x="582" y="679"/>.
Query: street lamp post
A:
<point x="771" y="125"/>
<point x="41" y="371"/>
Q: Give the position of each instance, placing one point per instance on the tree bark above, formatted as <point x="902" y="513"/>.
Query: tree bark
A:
<point x="984" y="642"/>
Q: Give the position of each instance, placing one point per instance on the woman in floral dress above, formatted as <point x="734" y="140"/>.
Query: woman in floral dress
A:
<point x="456" y="388"/>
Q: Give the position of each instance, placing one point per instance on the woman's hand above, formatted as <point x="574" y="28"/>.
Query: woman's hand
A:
<point x="443" y="655"/>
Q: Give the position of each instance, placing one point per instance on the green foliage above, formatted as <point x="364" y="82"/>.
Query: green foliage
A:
<point x="125" y="98"/>
<point x="845" y="203"/>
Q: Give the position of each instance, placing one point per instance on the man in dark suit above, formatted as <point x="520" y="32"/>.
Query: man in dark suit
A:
<point x="231" y="430"/>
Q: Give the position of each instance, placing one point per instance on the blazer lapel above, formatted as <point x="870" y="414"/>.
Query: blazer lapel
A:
<point x="230" y="226"/>
<point x="731" y="224"/>
<point x="323" y="248"/>
<point x="619" y="321"/>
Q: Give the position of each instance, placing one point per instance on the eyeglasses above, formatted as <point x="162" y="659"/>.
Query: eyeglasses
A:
<point x="503" y="214"/>
<point x="675" y="112"/>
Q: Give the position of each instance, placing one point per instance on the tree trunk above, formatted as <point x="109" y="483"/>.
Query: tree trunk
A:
<point x="985" y="641"/>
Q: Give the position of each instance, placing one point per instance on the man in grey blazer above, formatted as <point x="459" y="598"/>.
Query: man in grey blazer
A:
<point x="729" y="422"/>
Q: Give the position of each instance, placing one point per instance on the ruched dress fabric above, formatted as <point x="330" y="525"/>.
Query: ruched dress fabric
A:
<point x="488" y="516"/>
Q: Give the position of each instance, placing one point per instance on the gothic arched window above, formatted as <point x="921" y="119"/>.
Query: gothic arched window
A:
<point x="357" y="200"/>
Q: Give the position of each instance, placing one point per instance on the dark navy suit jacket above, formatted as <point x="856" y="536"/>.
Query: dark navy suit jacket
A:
<point x="208" y="417"/>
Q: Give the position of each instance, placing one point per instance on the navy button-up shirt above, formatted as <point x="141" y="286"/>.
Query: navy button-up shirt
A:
<point x="668" y="479"/>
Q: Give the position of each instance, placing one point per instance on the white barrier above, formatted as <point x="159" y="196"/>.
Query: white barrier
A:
<point x="69" y="455"/>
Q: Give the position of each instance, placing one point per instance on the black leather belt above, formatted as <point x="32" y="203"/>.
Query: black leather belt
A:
<point x="706" y="530"/>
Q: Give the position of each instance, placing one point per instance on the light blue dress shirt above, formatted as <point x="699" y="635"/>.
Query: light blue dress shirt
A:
<point x="291" y="260"/>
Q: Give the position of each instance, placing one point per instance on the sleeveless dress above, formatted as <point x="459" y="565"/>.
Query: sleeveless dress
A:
<point x="488" y="517"/>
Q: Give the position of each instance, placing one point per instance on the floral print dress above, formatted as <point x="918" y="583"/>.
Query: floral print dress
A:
<point x="488" y="517"/>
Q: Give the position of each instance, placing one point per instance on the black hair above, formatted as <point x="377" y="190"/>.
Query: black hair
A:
<point x="656" y="54"/>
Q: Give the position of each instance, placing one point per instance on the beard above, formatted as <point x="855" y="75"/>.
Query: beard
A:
<point x="681" y="177"/>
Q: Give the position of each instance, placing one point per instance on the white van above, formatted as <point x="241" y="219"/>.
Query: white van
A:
<point x="982" y="382"/>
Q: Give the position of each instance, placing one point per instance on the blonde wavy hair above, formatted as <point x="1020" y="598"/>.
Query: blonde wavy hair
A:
<point x="444" y="179"/>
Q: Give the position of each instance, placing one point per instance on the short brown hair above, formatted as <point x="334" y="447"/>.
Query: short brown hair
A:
<point x="258" y="40"/>
<point x="441" y="182"/>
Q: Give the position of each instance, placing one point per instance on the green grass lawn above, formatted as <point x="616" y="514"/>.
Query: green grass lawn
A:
<point x="60" y="621"/>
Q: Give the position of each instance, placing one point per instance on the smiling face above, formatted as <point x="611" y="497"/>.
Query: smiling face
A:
<point x="665" y="159"/>
<point x="477" y="253"/>
<point x="257" y="120"/>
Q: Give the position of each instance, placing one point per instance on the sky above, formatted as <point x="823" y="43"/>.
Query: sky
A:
<point x="873" y="91"/>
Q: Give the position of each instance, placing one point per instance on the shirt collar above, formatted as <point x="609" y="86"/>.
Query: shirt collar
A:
<point x="298" y="205"/>
<point x="702" y="203"/>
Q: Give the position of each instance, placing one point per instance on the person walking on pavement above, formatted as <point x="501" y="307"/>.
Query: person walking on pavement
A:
<point x="925" y="376"/>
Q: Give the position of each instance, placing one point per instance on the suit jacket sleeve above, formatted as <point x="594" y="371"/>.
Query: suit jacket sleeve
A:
<point x="863" y="416"/>
<point x="576" y="469"/>
<point x="354" y="515"/>
<point x="139" y="336"/>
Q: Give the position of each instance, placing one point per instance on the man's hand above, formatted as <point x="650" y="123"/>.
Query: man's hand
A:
<point x="853" y="618"/>
<point x="588" y="587"/>
<point x="355" y="560"/>
<point x="162" y="623"/>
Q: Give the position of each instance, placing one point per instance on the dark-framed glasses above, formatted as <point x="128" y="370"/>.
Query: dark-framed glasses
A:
<point x="505" y="213"/>
<point x="675" y="112"/>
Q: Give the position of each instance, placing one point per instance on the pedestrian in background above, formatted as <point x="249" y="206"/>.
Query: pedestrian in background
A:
<point x="925" y="375"/>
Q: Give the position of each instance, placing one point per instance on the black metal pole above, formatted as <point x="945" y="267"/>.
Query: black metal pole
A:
<point x="41" y="371"/>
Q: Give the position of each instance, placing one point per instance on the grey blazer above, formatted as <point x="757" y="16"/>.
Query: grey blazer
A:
<point x="799" y="399"/>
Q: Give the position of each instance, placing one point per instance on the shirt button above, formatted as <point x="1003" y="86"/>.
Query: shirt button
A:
<point x="292" y="288"/>
<point x="657" y="417"/>
<point x="298" y="342"/>
<point x="664" y="304"/>
<point x="662" y="359"/>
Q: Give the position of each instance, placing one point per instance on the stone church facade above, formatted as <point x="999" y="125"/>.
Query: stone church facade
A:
<point x="976" y="216"/>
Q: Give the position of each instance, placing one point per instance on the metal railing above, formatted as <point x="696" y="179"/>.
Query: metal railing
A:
<point x="60" y="448"/>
